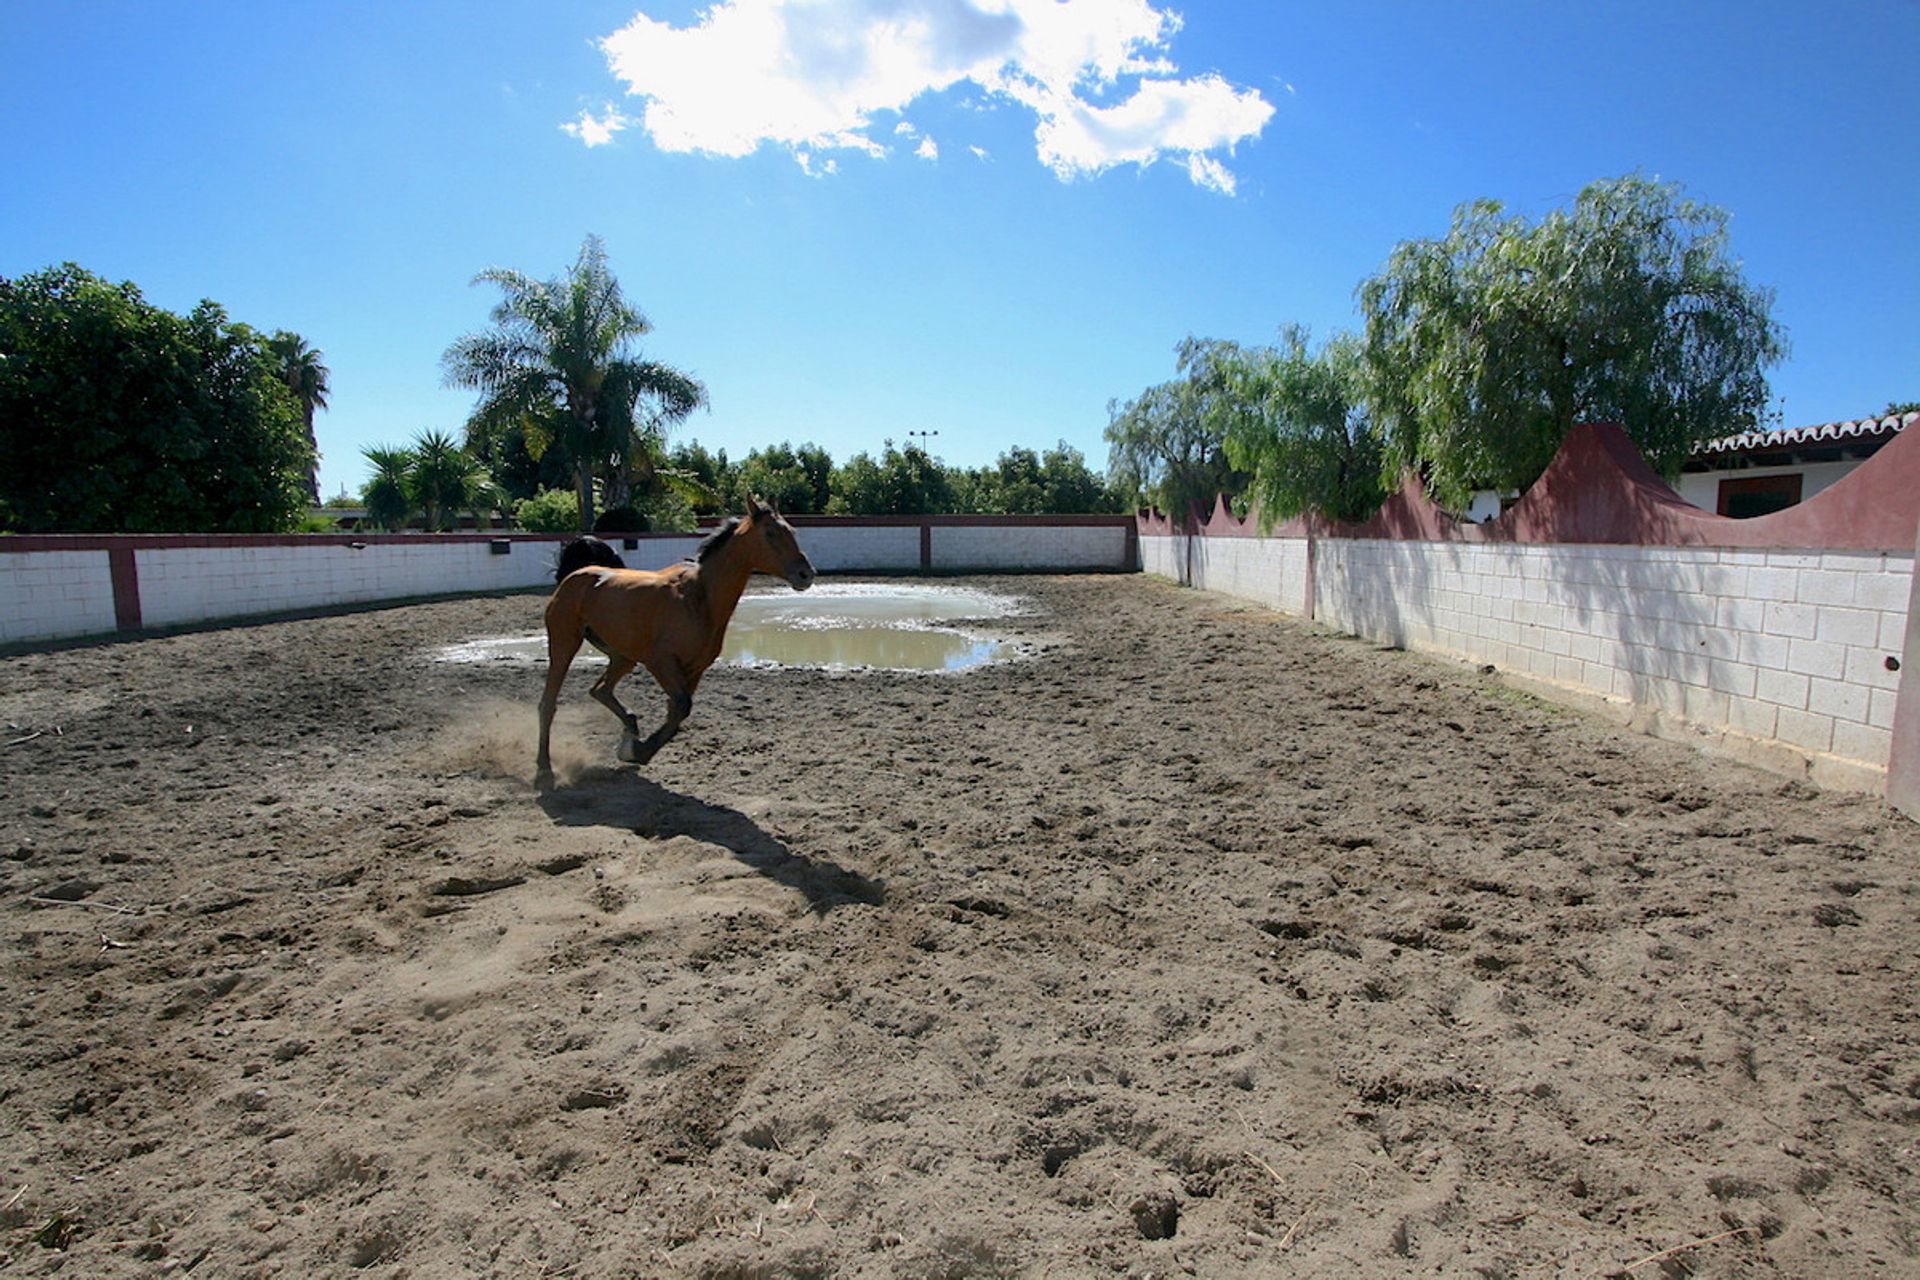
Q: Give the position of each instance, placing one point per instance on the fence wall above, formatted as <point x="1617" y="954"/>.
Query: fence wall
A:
<point x="1781" y="639"/>
<point x="66" y="587"/>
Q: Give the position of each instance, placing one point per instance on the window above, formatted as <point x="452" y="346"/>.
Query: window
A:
<point x="1758" y="495"/>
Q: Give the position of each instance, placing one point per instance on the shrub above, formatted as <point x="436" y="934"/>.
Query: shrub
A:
<point x="548" y="511"/>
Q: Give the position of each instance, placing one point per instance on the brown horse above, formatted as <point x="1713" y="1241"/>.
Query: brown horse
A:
<point x="671" y="622"/>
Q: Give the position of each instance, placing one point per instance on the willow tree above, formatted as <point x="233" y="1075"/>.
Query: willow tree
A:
<point x="1299" y="423"/>
<point x="1486" y="345"/>
<point x="1168" y="444"/>
<point x="559" y="366"/>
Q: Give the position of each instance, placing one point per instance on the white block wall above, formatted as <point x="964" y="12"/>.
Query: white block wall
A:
<point x="1773" y="646"/>
<point x="194" y="584"/>
<point x="46" y="595"/>
<point x="1014" y="547"/>
<point x="861" y="548"/>
<point x="1272" y="571"/>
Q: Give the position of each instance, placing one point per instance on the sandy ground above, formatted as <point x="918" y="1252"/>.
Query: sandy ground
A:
<point x="1201" y="943"/>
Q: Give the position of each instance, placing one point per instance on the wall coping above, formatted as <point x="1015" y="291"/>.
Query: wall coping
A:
<point x="1599" y="489"/>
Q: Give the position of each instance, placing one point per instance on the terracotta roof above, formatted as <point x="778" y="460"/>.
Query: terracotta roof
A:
<point x="1864" y="429"/>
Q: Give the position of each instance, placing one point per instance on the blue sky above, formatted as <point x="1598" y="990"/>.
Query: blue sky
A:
<point x="985" y="218"/>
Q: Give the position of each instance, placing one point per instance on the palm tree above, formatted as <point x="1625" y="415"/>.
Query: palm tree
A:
<point x="388" y="495"/>
<point x="444" y="479"/>
<point x="558" y="364"/>
<point x="300" y="368"/>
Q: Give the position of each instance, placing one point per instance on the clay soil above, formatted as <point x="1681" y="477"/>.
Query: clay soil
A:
<point x="1196" y="942"/>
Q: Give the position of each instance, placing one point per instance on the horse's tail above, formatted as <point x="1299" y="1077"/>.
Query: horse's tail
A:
<point x="583" y="551"/>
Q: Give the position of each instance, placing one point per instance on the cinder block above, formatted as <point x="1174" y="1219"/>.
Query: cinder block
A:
<point x="1704" y="706"/>
<point x="1893" y="632"/>
<point x="1823" y="586"/>
<point x="1888" y="591"/>
<point x="1847" y="626"/>
<point x="1782" y="688"/>
<point x="1805" y="729"/>
<point x="1817" y="658"/>
<point x="1761" y="650"/>
<point x="1868" y="668"/>
<point x="1758" y="719"/>
<point x="1862" y="742"/>
<point x="1839" y="699"/>
<point x="1794" y="621"/>
<point x="1736" y="678"/>
<point x="1772" y="584"/>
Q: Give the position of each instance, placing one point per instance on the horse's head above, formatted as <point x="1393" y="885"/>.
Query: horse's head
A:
<point x="775" y="549"/>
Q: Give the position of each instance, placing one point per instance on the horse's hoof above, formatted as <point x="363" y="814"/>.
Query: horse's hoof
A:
<point x="543" y="780"/>
<point x="629" y="752"/>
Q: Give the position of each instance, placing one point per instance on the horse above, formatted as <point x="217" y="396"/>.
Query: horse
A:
<point x="671" y="621"/>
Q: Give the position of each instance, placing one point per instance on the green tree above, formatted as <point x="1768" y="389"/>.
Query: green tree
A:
<point x="443" y="479"/>
<point x="1071" y="487"/>
<point x="1168" y="445"/>
<point x="1303" y="432"/>
<point x="713" y="471"/>
<point x="117" y="416"/>
<point x="1487" y="345"/>
<point x="558" y="366"/>
<point x="300" y="368"/>
<point x="388" y="493"/>
<point x="1019" y="485"/>
<point x="796" y="481"/>
<point x="1897" y="407"/>
<point x="905" y="481"/>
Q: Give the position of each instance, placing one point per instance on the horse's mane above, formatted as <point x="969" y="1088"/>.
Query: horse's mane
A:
<point x="713" y="542"/>
<point x="583" y="551"/>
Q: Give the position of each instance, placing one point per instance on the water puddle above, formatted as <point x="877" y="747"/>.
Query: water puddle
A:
<point x="837" y="626"/>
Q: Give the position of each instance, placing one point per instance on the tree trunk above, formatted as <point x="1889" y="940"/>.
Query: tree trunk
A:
<point x="583" y="491"/>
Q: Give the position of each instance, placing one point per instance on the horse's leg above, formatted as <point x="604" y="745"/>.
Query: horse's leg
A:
<point x="617" y="670"/>
<point x="679" y="691"/>
<point x="562" y="643"/>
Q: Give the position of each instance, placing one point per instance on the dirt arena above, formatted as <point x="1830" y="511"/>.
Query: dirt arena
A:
<point x="1198" y="943"/>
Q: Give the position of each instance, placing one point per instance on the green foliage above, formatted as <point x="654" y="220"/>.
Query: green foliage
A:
<point x="388" y="495"/>
<point x="1022" y="482"/>
<point x="117" y="416"/>
<point x="1485" y="346"/>
<point x="436" y="479"/>
<point x="298" y="364"/>
<point x="549" y="511"/>
<point x="1169" y="444"/>
<point x="1301" y="428"/>
<point x="901" y="482"/>
<point x="558" y="371"/>
<point x="443" y="479"/>
<point x="795" y="481"/>
<point x="712" y="470"/>
<point x="1897" y="407"/>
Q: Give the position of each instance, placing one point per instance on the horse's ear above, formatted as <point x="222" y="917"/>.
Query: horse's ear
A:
<point x="756" y="508"/>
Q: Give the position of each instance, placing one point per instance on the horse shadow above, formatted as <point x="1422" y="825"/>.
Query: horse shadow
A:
<point x="606" y="797"/>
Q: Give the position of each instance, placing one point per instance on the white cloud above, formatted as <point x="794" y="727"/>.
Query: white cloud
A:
<point x="928" y="149"/>
<point x="812" y="75"/>
<point x="596" y="131"/>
